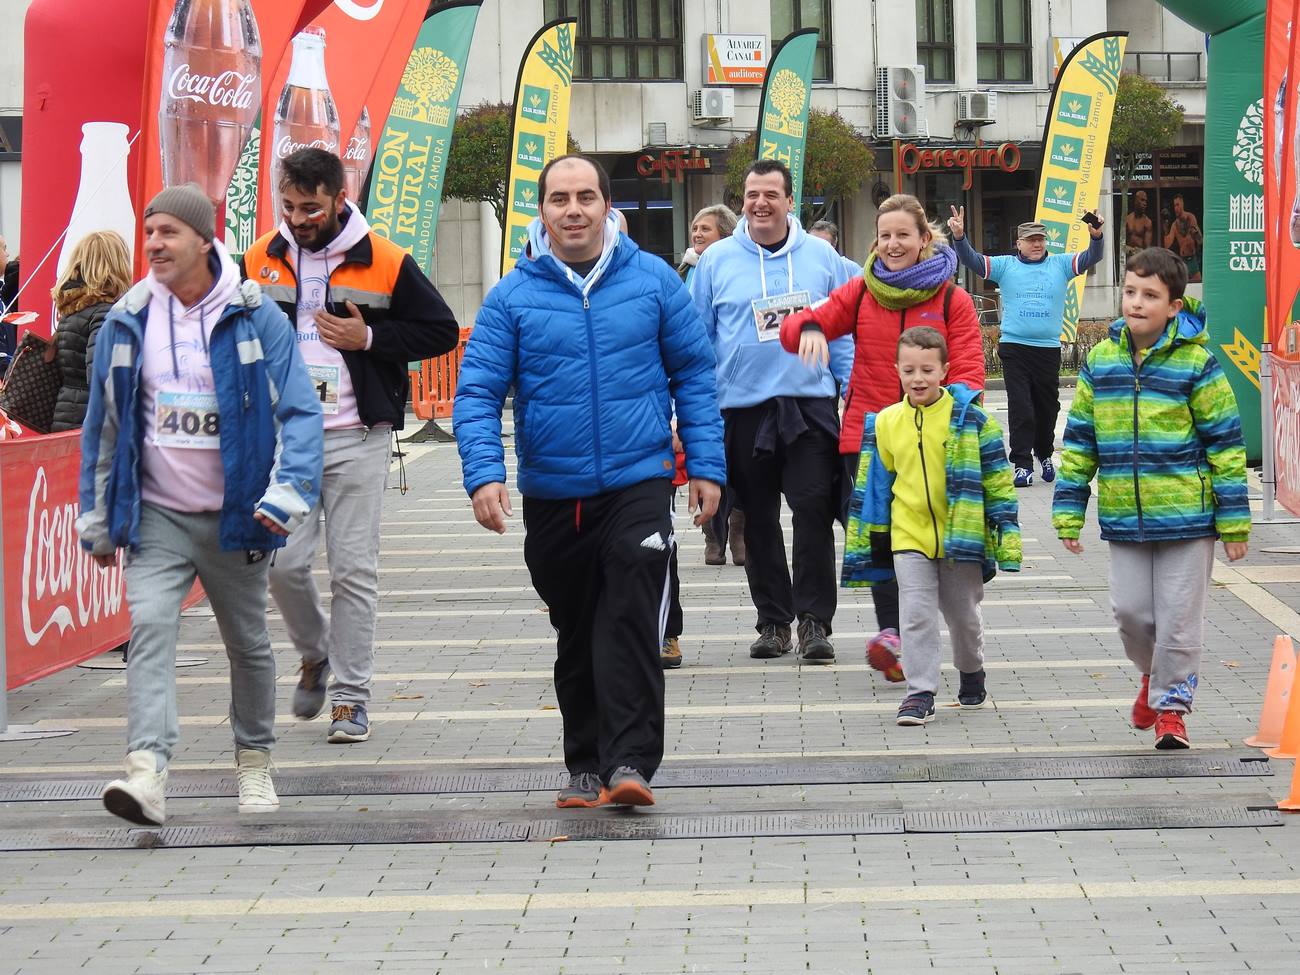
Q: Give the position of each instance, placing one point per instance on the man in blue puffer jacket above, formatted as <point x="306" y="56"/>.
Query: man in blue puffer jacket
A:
<point x="599" y="340"/>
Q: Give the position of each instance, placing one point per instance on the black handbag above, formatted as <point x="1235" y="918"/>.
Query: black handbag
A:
<point x="31" y="386"/>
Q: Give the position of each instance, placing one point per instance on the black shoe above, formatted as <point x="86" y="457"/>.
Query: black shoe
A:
<point x="814" y="648"/>
<point x="971" y="693"/>
<point x="773" y="640"/>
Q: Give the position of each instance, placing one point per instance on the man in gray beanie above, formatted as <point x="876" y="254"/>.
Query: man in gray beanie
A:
<point x="200" y="452"/>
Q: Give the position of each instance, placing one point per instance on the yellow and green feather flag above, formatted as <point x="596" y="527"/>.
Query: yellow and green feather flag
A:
<point x="1074" y="151"/>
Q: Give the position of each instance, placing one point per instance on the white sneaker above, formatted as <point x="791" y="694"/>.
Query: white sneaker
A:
<point x="256" y="791"/>
<point x="140" y="797"/>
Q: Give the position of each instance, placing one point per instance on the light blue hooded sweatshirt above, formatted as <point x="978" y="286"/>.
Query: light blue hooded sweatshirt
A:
<point x="735" y="271"/>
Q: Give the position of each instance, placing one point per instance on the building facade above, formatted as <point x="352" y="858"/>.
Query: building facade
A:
<point x="644" y="105"/>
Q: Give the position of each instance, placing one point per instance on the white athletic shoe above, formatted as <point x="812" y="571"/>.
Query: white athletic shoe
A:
<point x="256" y="791"/>
<point x="141" y="797"/>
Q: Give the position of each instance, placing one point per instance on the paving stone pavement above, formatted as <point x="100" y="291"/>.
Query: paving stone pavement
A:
<point x="463" y="683"/>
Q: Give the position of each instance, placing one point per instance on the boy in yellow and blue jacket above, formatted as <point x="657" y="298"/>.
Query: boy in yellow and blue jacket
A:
<point x="1155" y="421"/>
<point x="934" y="496"/>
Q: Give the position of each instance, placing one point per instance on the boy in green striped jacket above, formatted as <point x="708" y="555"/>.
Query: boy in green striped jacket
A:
<point x="1155" y="420"/>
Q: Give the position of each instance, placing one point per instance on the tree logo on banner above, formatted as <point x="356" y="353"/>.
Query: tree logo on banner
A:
<point x="431" y="78"/>
<point x="1107" y="71"/>
<point x="787" y="95"/>
<point x="241" y="197"/>
<point x="360" y="11"/>
<point x="1248" y="149"/>
<point x="561" y="61"/>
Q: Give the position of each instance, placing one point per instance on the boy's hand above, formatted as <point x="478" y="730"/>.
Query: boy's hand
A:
<point x="1235" y="550"/>
<point x="813" y="349"/>
<point x="1073" y="545"/>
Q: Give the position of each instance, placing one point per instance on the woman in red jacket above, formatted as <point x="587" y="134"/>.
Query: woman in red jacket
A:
<point x="906" y="281"/>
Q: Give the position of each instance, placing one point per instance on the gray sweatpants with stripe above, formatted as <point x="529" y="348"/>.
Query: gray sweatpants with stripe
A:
<point x="1158" y="592"/>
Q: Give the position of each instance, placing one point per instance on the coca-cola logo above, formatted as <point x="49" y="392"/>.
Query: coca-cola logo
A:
<point x="230" y="89"/>
<point x="58" y="574"/>
<point x="286" y="145"/>
<point x="358" y="150"/>
<point x="360" y="11"/>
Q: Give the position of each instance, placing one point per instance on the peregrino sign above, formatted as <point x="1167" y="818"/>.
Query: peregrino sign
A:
<point x="912" y="158"/>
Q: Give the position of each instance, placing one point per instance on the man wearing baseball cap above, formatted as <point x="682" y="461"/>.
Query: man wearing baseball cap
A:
<point x="1033" y="285"/>
<point x="200" y="452"/>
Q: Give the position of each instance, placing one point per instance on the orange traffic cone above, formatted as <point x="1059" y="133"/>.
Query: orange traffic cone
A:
<point x="1289" y="744"/>
<point x="1281" y="677"/>
<point x="1292" y="802"/>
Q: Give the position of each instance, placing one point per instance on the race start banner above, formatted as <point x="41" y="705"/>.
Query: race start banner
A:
<point x="540" y="130"/>
<point x="783" y="107"/>
<point x="1282" y="242"/>
<point x="320" y="105"/>
<point x="1074" y="152"/>
<point x="406" y="188"/>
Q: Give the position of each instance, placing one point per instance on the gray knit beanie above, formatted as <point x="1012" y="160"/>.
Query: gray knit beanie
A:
<point x="189" y="204"/>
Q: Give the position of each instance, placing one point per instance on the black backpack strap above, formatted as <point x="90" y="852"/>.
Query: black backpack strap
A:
<point x="947" y="300"/>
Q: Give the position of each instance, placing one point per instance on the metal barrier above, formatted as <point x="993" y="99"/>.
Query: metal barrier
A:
<point x="433" y="387"/>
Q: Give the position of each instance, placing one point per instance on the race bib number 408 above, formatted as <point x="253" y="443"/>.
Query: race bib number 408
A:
<point x="188" y="421"/>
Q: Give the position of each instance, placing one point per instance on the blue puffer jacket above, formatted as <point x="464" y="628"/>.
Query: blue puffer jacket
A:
<point x="597" y="364"/>
<point x="271" y="433"/>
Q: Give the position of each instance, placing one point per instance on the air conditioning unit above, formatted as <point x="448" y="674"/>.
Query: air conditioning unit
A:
<point x="900" y="102"/>
<point x="713" y="106"/>
<point x="977" y="107"/>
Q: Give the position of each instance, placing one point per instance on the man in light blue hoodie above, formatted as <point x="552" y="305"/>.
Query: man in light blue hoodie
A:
<point x="781" y="420"/>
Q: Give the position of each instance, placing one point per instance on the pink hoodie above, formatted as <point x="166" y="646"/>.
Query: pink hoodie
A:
<point x="180" y="466"/>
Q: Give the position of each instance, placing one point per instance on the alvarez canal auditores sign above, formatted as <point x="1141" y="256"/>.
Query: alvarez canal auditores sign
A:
<point x="735" y="59"/>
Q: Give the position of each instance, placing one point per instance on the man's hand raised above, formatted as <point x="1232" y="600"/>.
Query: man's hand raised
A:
<point x="492" y="506"/>
<point x="957" y="222"/>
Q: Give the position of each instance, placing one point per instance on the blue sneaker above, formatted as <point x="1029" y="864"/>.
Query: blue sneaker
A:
<point x="1049" y="471"/>
<point x="309" y="695"/>
<point x="348" y="723"/>
<point x="916" y="709"/>
<point x="1024" y="477"/>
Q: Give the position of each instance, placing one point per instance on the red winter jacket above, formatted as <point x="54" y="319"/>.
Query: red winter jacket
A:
<point x="874" y="382"/>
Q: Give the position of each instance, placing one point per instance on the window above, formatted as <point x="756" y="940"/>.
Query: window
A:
<point x="934" y="47"/>
<point x="637" y="40"/>
<point x="1002" y="37"/>
<point x="789" y="16"/>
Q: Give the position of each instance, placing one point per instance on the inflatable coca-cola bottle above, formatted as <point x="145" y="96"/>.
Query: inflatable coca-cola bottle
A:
<point x="305" y="116"/>
<point x="211" y="92"/>
<point x="357" y="156"/>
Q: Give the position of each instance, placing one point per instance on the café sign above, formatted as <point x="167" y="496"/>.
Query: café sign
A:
<point x="672" y="164"/>
<point x="912" y="158"/>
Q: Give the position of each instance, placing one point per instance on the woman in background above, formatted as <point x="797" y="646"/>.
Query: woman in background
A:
<point x="98" y="273"/>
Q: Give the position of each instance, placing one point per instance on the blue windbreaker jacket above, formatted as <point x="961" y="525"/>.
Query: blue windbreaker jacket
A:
<point x="597" y="364"/>
<point x="272" y="437"/>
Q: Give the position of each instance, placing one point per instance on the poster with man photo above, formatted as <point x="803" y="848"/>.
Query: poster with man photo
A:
<point x="1180" y="226"/>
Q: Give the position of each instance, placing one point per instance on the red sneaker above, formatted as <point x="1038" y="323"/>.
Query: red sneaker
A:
<point x="1170" y="731"/>
<point x="883" y="654"/>
<point x="1143" y="714"/>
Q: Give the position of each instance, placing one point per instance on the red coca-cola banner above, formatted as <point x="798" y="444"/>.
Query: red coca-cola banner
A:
<point x="361" y="37"/>
<point x="203" y="76"/>
<point x="60" y="607"/>
<point x="1281" y="158"/>
<point x="104" y="41"/>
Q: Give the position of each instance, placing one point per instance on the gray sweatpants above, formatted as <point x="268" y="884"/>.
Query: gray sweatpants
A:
<point x="174" y="547"/>
<point x="352" y="493"/>
<point x="1158" y="592"/>
<point x="957" y="588"/>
